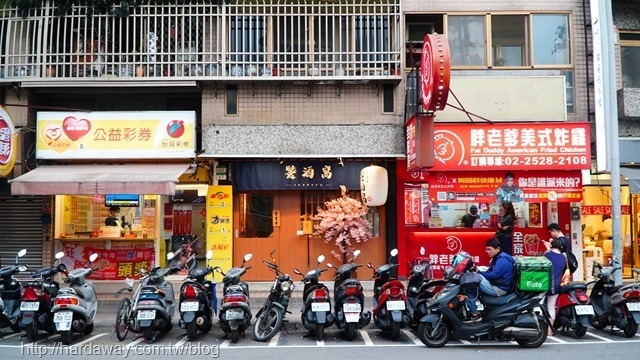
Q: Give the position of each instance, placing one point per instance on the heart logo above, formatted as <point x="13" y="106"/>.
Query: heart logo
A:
<point x="74" y="128"/>
<point x="52" y="133"/>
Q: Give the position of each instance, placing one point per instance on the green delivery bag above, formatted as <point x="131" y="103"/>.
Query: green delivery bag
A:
<point x="533" y="273"/>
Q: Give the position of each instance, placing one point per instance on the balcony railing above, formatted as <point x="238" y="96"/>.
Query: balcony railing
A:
<point x="252" y="40"/>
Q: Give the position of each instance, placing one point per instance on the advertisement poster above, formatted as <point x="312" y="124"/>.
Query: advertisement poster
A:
<point x="220" y="226"/>
<point x="124" y="259"/>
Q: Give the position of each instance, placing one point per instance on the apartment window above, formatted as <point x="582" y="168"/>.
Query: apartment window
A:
<point x="630" y="58"/>
<point x="508" y="39"/>
<point x="372" y="40"/>
<point x="466" y="36"/>
<point x="290" y="40"/>
<point x="387" y="98"/>
<point x="550" y="39"/>
<point x="232" y="100"/>
<point x="246" y="39"/>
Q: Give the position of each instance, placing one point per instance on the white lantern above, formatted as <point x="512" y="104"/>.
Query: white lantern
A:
<point x="374" y="185"/>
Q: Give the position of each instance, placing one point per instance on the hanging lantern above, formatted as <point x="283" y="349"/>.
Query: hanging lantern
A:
<point x="374" y="185"/>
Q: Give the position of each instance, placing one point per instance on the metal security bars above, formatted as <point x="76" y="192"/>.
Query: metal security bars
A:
<point x="252" y="40"/>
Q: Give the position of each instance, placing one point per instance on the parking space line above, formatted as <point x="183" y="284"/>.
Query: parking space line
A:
<point x="599" y="337"/>
<point x="225" y="344"/>
<point x="320" y="343"/>
<point x="556" y="339"/>
<point x="181" y="341"/>
<point x="413" y="338"/>
<point x="274" y="340"/>
<point x="366" y="338"/>
<point x="11" y="335"/>
<point x="134" y="342"/>
<point x="465" y="342"/>
<point x="89" y="339"/>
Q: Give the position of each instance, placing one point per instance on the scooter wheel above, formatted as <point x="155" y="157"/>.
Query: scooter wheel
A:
<point x="434" y="337"/>
<point x="631" y="329"/>
<point x="268" y="324"/>
<point x="394" y="334"/>
<point x="319" y="332"/>
<point x="32" y="331"/>
<point x="235" y="335"/>
<point x="192" y="330"/>
<point x="350" y="333"/>
<point x="66" y="337"/>
<point x="580" y="330"/>
<point x="88" y="329"/>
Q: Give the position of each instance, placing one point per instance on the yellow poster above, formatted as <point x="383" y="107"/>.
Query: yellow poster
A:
<point x="219" y="226"/>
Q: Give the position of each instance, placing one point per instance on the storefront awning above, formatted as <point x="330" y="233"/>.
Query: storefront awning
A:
<point x="633" y="178"/>
<point x="99" y="179"/>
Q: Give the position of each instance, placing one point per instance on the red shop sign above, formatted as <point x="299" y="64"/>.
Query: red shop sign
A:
<point x="509" y="146"/>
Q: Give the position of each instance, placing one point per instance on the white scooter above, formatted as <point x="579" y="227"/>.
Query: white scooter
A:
<point x="75" y="306"/>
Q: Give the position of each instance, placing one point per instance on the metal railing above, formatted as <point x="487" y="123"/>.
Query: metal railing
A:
<point x="257" y="40"/>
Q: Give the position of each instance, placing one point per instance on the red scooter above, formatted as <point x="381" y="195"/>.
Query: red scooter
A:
<point x="390" y="312"/>
<point x="573" y="308"/>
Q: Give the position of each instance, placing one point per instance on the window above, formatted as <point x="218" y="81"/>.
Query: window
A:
<point x="466" y="36"/>
<point x="246" y="43"/>
<point x="550" y="40"/>
<point x="256" y="215"/>
<point x="630" y="58"/>
<point x="372" y="40"/>
<point x="387" y="98"/>
<point x="508" y="39"/>
<point x="232" y="100"/>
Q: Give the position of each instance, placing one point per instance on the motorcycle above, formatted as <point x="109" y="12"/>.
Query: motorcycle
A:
<point x="618" y="306"/>
<point x="420" y="287"/>
<point x="155" y="304"/>
<point x="573" y="309"/>
<point x="316" y="312"/>
<point x="10" y="293"/>
<point x="37" y="300"/>
<point x="197" y="297"/>
<point x="514" y="316"/>
<point x="235" y="310"/>
<point x="349" y="300"/>
<point x="269" y="319"/>
<point x="74" y="309"/>
<point x="389" y="300"/>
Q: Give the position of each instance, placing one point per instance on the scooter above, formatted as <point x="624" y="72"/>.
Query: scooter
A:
<point x="349" y="300"/>
<point x="389" y="300"/>
<point x="235" y="310"/>
<point x="155" y="304"/>
<point x="573" y="309"/>
<point x="271" y="316"/>
<point x="37" y="300"/>
<point x="421" y="286"/>
<point x="514" y="316"/>
<point x="10" y="293"/>
<point x="618" y="306"/>
<point x="197" y="297"/>
<point x="316" y="311"/>
<point x="75" y="307"/>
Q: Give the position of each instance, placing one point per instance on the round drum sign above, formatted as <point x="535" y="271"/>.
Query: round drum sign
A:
<point x="435" y="72"/>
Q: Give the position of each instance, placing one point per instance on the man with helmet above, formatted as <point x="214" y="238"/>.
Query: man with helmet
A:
<point x="496" y="280"/>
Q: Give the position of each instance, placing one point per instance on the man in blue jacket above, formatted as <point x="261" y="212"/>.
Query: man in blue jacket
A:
<point x="496" y="280"/>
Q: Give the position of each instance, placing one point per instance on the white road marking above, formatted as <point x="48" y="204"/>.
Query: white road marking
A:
<point x="274" y="340"/>
<point x="135" y="342"/>
<point x="225" y="343"/>
<point x="599" y="337"/>
<point x="319" y="342"/>
<point x="465" y="342"/>
<point x="556" y="339"/>
<point x="366" y="338"/>
<point x="182" y="341"/>
<point x="413" y="338"/>
<point x="89" y="339"/>
<point x="11" y="335"/>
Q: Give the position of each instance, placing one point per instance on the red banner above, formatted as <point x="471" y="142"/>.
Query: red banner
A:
<point x="124" y="261"/>
<point x="602" y="210"/>
<point x="509" y="146"/>
<point x="530" y="186"/>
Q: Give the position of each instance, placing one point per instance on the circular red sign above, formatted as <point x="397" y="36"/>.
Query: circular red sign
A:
<point x="435" y="72"/>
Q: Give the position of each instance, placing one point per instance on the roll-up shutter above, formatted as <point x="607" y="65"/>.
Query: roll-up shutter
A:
<point x="21" y="228"/>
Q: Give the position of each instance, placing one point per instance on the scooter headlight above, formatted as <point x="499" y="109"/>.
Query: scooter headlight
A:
<point x="285" y="285"/>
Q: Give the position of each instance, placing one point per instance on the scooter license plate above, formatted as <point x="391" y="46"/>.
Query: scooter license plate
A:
<point x="348" y="307"/>
<point x="235" y="315"/>
<point x="62" y="320"/>
<point x="189" y="306"/>
<point x="146" y="315"/>
<point x="584" y="310"/>
<point x="320" y="307"/>
<point x="633" y="306"/>
<point x="396" y="305"/>
<point x="29" y="306"/>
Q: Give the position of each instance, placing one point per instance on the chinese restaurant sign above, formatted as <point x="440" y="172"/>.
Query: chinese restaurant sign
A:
<point x="523" y="146"/>
<point x="535" y="186"/>
<point x="219" y="226"/>
<point x="116" y="135"/>
<point x="296" y="175"/>
<point x="123" y="260"/>
<point x="8" y="143"/>
<point x="419" y="139"/>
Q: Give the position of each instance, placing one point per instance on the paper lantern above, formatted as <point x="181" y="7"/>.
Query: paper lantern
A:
<point x="374" y="185"/>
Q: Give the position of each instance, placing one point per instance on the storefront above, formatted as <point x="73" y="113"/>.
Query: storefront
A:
<point x="471" y="164"/>
<point x="103" y="161"/>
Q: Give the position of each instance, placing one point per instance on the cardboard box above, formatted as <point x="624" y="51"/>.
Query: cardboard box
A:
<point x="533" y="273"/>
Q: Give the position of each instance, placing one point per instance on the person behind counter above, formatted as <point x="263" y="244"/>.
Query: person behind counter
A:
<point x="112" y="219"/>
<point x="469" y="218"/>
<point x="505" y="226"/>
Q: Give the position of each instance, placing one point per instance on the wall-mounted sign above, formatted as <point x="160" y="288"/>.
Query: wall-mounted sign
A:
<point x="419" y="137"/>
<point x="116" y="135"/>
<point x="509" y="146"/>
<point x="602" y="210"/>
<point x="8" y="143"/>
<point x="435" y="72"/>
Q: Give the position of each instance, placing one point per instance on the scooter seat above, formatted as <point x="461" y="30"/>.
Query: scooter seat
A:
<point x="574" y="285"/>
<point x="499" y="300"/>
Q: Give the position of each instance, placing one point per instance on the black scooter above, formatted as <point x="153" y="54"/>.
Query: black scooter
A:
<point x="316" y="311"/>
<point x="514" y="316"/>
<point x="10" y="294"/>
<point x="420" y="287"/>
<point x="197" y="297"/>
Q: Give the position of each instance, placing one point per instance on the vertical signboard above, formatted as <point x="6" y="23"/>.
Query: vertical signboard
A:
<point x="219" y="226"/>
<point x="8" y="139"/>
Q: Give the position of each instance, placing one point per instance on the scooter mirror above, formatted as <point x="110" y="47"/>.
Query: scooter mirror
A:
<point x="22" y="268"/>
<point x="394" y="252"/>
<point x="170" y="255"/>
<point x="422" y="251"/>
<point x="218" y="270"/>
<point x="247" y="257"/>
<point x="356" y="253"/>
<point x="93" y="257"/>
<point x="616" y="258"/>
<point x="369" y="266"/>
<point x="320" y="259"/>
<point x="296" y="271"/>
<point x="129" y="282"/>
<point x="22" y="253"/>
<point x="209" y="255"/>
<point x="59" y="255"/>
